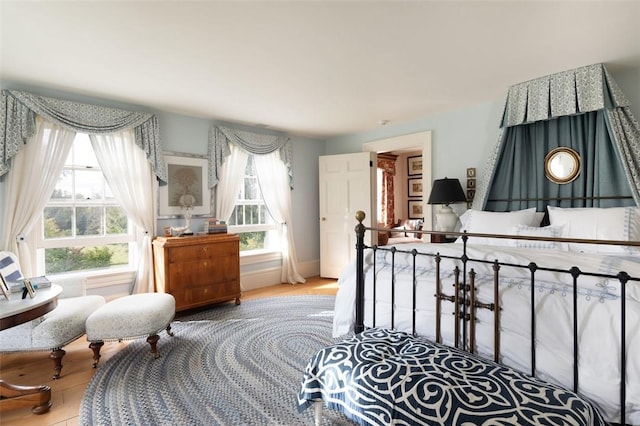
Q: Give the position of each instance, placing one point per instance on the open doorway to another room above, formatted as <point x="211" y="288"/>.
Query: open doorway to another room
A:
<point x="403" y="196"/>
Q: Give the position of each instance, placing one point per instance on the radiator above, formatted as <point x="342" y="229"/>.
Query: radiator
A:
<point x="109" y="285"/>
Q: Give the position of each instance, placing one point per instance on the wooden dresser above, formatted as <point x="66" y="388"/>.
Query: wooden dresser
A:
<point x="198" y="270"/>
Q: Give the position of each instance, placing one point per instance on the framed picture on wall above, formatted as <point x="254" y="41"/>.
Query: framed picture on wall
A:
<point x="415" y="187"/>
<point x="187" y="179"/>
<point x="414" y="208"/>
<point x="414" y="165"/>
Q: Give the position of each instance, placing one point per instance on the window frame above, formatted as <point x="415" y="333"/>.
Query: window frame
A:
<point x="271" y="253"/>
<point x="107" y="200"/>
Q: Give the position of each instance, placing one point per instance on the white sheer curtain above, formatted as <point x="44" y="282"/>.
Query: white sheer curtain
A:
<point x="231" y="179"/>
<point x="274" y="183"/>
<point x="30" y="182"/>
<point x="132" y="181"/>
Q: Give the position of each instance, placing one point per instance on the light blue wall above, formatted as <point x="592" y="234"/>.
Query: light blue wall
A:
<point x="464" y="138"/>
<point x="461" y="139"/>
<point x="186" y="134"/>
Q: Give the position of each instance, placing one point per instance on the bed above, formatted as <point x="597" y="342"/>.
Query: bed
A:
<point x="580" y="273"/>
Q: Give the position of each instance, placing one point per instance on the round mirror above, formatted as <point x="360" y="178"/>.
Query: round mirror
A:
<point x="562" y="165"/>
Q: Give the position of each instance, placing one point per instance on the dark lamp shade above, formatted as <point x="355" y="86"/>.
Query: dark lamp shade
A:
<point x="446" y="191"/>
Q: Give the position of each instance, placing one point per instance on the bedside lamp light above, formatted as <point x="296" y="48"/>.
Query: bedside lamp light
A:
<point x="444" y="192"/>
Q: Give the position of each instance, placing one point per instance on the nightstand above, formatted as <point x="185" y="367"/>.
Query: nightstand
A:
<point x="439" y="238"/>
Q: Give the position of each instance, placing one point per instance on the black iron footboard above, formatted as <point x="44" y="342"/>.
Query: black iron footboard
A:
<point x="466" y="303"/>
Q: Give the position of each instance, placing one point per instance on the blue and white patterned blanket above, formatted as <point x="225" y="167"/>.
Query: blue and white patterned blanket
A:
<point x="382" y="377"/>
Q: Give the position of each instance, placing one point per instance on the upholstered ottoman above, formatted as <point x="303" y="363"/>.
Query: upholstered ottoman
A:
<point x="131" y="317"/>
<point x="52" y="331"/>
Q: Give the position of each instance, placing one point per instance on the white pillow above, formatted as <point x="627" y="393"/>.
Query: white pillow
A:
<point x="614" y="223"/>
<point x="484" y="222"/>
<point x="535" y="231"/>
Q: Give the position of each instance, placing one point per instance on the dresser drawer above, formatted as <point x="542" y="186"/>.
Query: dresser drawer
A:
<point x="200" y="251"/>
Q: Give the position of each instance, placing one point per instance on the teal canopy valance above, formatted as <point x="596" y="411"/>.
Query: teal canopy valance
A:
<point x="583" y="109"/>
<point x="17" y="124"/>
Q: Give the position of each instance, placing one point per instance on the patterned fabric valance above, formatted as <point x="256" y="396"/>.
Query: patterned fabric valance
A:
<point x="17" y="123"/>
<point x="584" y="89"/>
<point x="388" y="165"/>
<point x="253" y="143"/>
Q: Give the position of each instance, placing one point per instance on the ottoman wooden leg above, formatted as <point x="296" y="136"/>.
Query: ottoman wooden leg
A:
<point x="95" y="347"/>
<point x="56" y="355"/>
<point x="153" y="340"/>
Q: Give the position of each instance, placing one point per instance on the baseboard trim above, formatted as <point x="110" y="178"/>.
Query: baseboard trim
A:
<point x="271" y="276"/>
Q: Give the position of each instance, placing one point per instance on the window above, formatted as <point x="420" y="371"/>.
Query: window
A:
<point x="83" y="225"/>
<point x="250" y="218"/>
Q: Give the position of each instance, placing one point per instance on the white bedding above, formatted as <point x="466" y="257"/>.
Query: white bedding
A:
<point x="598" y="311"/>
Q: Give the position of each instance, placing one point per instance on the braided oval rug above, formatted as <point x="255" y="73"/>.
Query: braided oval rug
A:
<point x="229" y="365"/>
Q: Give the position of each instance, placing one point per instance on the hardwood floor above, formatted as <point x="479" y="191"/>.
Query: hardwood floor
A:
<point x="35" y="368"/>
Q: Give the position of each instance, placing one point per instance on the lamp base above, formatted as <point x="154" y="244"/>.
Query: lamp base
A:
<point x="446" y="219"/>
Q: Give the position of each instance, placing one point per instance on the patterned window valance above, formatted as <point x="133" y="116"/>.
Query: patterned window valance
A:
<point x="584" y="89"/>
<point x="17" y="124"/>
<point x="388" y="165"/>
<point x="254" y="143"/>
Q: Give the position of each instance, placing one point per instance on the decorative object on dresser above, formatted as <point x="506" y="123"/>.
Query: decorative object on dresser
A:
<point x="444" y="192"/>
<point x="198" y="270"/>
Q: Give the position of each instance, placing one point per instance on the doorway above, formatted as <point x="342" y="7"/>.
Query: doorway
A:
<point x="415" y="142"/>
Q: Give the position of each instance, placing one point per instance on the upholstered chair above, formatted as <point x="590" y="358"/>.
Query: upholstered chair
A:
<point x="52" y="331"/>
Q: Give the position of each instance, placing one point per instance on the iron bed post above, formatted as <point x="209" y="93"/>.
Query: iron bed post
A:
<point x="393" y="287"/>
<point x="414" y="252"/>
<point x="472" y="310"/>
<point x="496" y="312"/>
<point x="438" y="299"/>
<point x="456" y="307"/>
<point x="359" y="325"/>
<point x="623" y="277"/>
<point x="575" y="272"/>
<point x="465" y="289"/>
<point x="533" y="267"/>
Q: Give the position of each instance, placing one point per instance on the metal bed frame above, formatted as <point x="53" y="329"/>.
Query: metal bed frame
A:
<point x="466" y="303"/>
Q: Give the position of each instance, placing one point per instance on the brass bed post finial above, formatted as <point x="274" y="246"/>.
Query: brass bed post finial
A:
<point x="360" y="228"/>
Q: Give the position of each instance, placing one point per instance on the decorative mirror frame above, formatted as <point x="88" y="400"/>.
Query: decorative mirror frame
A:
<point x="555" y="153"/>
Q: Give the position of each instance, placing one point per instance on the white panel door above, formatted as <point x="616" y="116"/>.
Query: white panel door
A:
<point x="347" y="184"/>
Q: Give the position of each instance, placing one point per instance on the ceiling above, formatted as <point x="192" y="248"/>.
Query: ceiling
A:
<point x="310" y="68"/>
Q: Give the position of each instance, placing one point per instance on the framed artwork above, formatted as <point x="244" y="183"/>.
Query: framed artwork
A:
<point x="414" y="166"/>
<point x="471" y="172"/>
<point x="5" y="287"/>
<point x="414" y="208"/>
<point x="471" y="183"/>
<point x="415" y="187"/>
<point x="470" y="194"/>
<point x="187" y="177"/>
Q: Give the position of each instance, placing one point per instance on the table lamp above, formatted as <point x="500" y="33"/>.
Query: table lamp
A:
<point x="444" y="192"/>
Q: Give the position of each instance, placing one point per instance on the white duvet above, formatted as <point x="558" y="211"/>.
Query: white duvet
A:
<point x="598" y="312"/>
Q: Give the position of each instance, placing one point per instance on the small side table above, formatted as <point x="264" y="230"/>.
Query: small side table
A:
<point x="17" y="311"/>
<point x="439" y="238"/>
